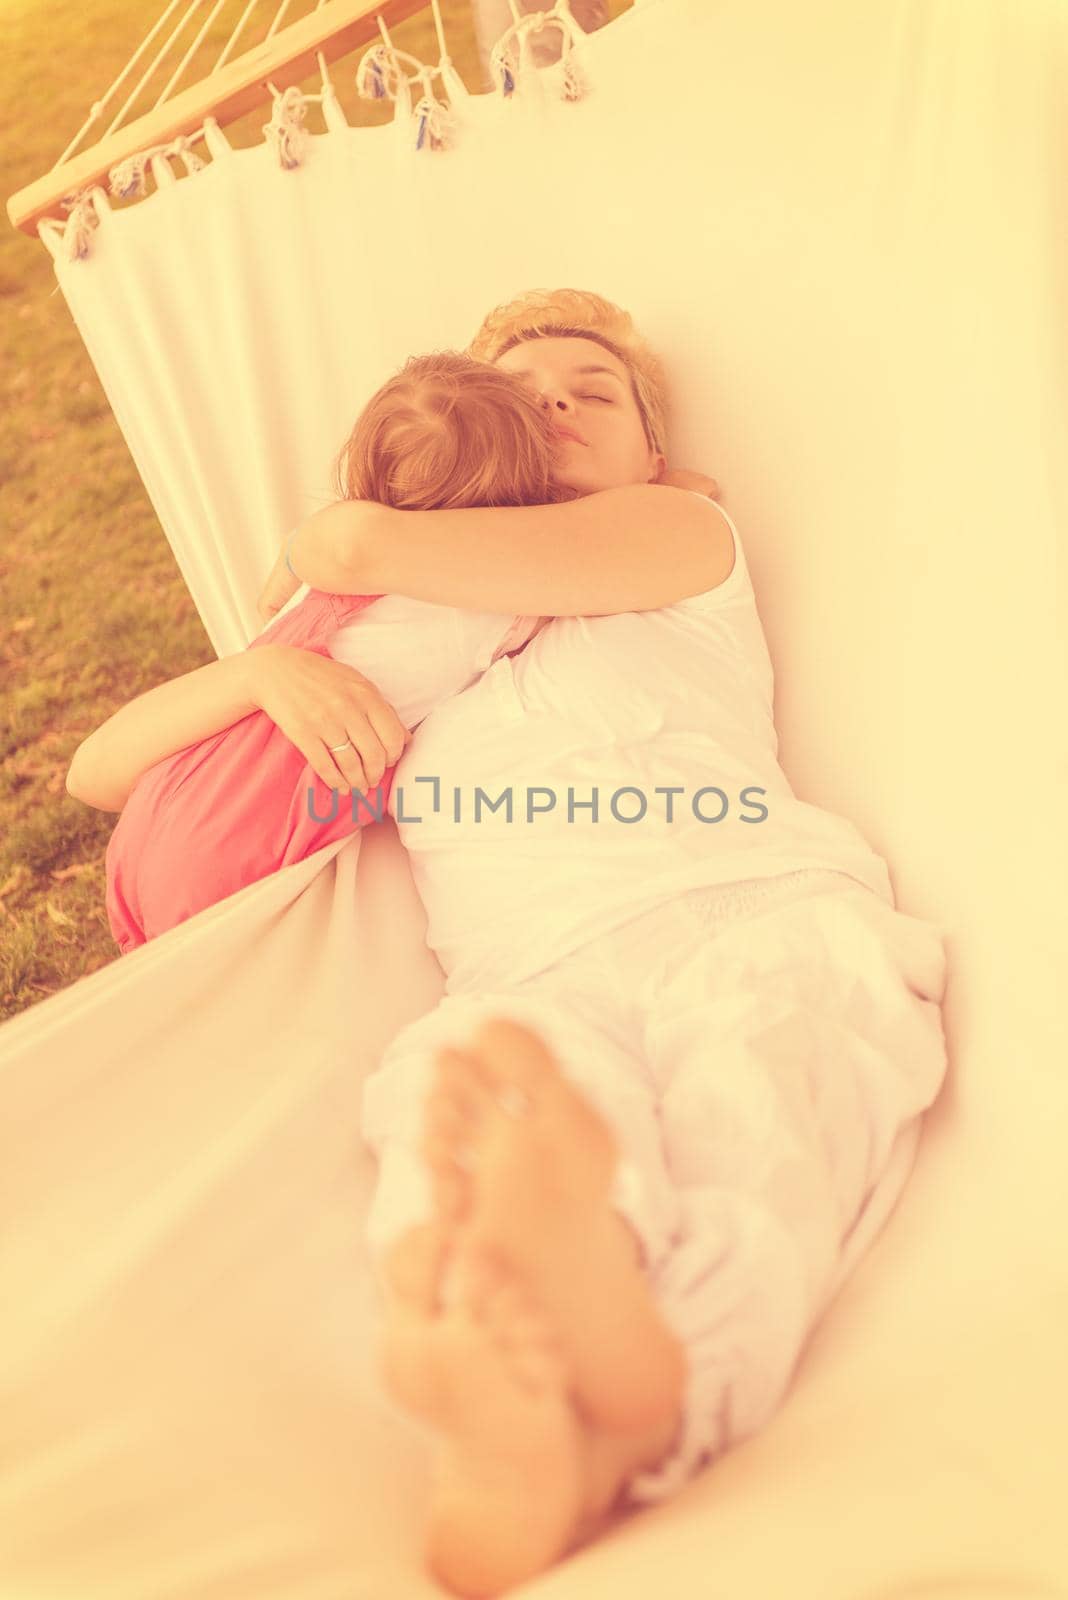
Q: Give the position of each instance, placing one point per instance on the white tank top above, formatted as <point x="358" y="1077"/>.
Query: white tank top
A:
<point x="417" y="653"/>
<point x="612" y="710"/>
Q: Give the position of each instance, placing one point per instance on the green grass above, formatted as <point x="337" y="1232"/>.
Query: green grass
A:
<point x="93" y="610"/>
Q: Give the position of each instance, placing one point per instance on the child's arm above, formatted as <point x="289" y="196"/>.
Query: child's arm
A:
<point x="107" y="764"/>
<point x="632" y="548"/>
<point x="315" y="702"/>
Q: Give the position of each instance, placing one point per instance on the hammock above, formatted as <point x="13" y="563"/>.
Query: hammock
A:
<point x="838" y="225"/>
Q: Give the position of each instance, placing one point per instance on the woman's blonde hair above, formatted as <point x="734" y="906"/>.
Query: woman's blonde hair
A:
<point x="580" y="314"/>
<point x="449" y="431"/>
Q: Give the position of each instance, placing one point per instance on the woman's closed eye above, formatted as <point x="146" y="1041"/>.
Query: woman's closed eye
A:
<point x="603" y="397"/>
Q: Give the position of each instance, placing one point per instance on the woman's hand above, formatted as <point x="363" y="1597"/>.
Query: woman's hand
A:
<point x="319" y="702"/>
<point x="679" y="478"/>
<point x="334" y="550"/>
<point x="280" y="587"/>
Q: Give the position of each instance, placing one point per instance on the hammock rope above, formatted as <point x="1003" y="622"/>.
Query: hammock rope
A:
<point x="228" y="48"/>
<point x="98" y="107"/>
<point x="383" y="72"/>
<point x="190" y="53"/>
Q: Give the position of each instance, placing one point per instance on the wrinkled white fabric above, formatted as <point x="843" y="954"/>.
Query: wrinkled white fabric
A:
<point x="843" y="228"/>
<point x="763" y="1053"/>
<point x="613" y="764"/>
<point x="416" y="653"/>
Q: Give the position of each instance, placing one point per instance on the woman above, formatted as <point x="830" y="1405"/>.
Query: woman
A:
<point x="682" y="1035"/>
<point x="210" y="804"/>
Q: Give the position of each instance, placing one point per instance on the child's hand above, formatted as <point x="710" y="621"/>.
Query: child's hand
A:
<point x="319" y="703"/>
<point x="679" y="478"/>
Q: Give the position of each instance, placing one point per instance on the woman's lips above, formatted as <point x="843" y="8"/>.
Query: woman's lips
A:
<point x="565" y="433"/>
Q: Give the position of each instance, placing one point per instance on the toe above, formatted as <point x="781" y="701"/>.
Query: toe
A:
<point x="474" y="1280"/>
<point x="513" y="1054"/>
<point x="412" y="1266"/>
<point x="454" y="1117"/>
<point x="446" y="1123"/>
<point x="503" y="1309"/>
<point x="458" y="1066"/>
<point x="448" y="1179"/>
<point x="536" y="1366"/>
<point x="461" y="1081"/>
<point x="525" y="1337"/>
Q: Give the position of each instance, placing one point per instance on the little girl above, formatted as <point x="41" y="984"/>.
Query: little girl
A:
<point x="213" y="816"/>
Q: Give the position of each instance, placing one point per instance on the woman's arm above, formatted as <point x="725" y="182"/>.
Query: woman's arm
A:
<point x="316" y="703"/>
<point x="632" y="548"/>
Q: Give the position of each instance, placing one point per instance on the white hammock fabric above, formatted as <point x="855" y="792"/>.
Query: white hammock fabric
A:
<point x="843" y="228"/>
<point x="240" y="319"/>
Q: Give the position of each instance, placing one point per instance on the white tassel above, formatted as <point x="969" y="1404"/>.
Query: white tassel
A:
<point x="79" y="226"/>
<point x="284" y="130"/>
<point x="128" y="177"/>
<point x="503" y="65"/>
<point x="574" y="85"/>
<point x="435" y="124"/>
<point x="376" y="74"/>
<point x="183" y="147"/>
<point x="510" y="55"/>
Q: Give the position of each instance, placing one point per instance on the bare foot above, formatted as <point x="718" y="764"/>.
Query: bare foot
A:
<point x="535" y="1195"/>
<point x="510" y="1487"/>
<point x="432" y="1262"/>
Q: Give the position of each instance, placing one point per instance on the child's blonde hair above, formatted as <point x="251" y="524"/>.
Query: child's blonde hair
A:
<point x="449" y="431"/>
<point x="580" y="314"/>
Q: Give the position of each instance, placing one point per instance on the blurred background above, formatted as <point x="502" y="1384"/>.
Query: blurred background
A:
<point x="93" y="610"/>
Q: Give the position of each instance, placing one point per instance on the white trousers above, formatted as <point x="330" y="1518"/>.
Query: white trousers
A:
<point x="763" y="1052"/>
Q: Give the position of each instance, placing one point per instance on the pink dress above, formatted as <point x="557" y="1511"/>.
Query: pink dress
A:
<point x="231" y="809"/>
